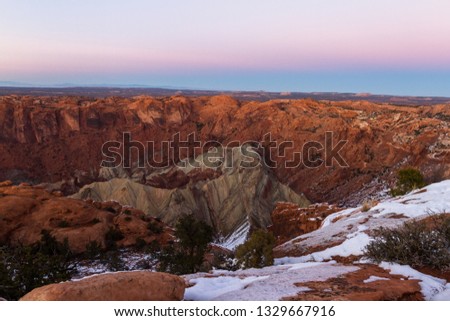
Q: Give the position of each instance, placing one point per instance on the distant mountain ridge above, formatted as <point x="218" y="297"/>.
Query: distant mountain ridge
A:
<point x="130" y="90"/>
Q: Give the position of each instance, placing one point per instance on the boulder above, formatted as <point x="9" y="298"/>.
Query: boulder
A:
<point x="119" y="286"/>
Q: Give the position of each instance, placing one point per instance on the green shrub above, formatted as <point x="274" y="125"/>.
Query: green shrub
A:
<point x="417" y="243"/>
<point x="50" y="246"/>
<point x="153" y="247"/>
<point x="110" y="258"/>
<point x="93" y="250"/>
<point x="113" y="261"/>
<point x="408" y="179"/>
<point x="140" y="243"/>
<point x="187" y="255"/>
<point x="24" y="268"/>
<point x="257" y="251"/>
<point x="444" y="226"/>
<point x="367" y="205"/>
<point x="155" y="228"/>
<point x="112" y="236"/>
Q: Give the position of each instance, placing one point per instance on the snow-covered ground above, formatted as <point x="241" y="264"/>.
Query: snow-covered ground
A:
<point x="346" y="233"/>
<point x="349" y="227"/>
<point x="351" y="246"/>
<point x="432" y="288"/>
<point x="266" y="284"/>
<point x="434" y="198"/>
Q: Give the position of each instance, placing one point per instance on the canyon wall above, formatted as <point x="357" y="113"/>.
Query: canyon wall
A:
<point x="58" y="140"/>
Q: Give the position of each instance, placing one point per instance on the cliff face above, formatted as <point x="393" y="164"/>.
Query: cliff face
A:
<point x="59" y="140"/>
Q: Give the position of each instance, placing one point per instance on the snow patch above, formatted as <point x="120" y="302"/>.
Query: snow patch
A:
<point x="330" y="218"/>
<point x="352" y="246"/>
<point x="205" y="289"/>
<point x="374" y="278"/>
<point x="304" y="265"/>
<point x="433" y="199"/>
<point x="444" y="295"/>
<point x="267" y="284"/>
<point x="432" y="288"/>
<point x="361" y="228"/>
<point x="237" y="238"/>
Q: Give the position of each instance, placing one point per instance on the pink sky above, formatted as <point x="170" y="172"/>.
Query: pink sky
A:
<point x="62" y="40"/>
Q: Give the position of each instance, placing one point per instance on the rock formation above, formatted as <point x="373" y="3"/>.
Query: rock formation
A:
<point x="290" y="221"/>
<point x="119" y="286"/>
<point x="227" y="197"/>
<point x="58" y="139"/>
<point x="26" y="210"/>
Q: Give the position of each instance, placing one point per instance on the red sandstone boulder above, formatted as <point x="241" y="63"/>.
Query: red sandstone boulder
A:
<point x="119" y="286"/>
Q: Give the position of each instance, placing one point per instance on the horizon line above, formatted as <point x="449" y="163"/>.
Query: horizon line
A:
<point x="4" y="85"/>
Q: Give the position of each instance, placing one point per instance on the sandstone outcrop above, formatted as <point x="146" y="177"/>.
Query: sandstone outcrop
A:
<point x="290" y="221"/>
<point x="119" y="286"/>
<point x="27" y="210"/>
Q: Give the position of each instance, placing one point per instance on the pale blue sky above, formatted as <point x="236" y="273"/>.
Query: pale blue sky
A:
<point x="392" y="47"/>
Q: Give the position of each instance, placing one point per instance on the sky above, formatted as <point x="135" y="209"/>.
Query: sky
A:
<point x="397" y="47"/>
